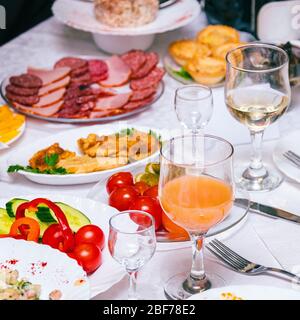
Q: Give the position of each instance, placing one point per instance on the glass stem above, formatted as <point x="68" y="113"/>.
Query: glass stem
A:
<point x="197" y="270"/>
<point x="132" y="294"/>
<point x="197" y="280"/>
<point x="256" y="168"/>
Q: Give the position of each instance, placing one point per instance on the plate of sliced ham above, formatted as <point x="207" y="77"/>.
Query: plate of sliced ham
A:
<point x="87" y="89"/>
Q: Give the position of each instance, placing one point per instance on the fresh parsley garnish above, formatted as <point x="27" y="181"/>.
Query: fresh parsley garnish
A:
<point x="51" y="160"/>
<point x="126" y="132"/>
<point x="183" y="74"/>
<point x="16" y="168"/>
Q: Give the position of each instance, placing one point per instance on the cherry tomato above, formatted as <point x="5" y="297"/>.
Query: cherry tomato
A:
<point x="88" y="256"/>
<point x="53" y="236"/>
<point x="152" y="192"/>
<point x="121" y="198"/>
<point x="117" y="180"/>
<point x="150" y="205"/>
<point x="141" y="187"/>
<point x="90" y="234"/>
<point x="173" y="228"/>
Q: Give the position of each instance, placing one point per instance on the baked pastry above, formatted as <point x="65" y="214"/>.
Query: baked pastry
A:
<point x="126" y="13"/>
<point x="217" y="35"/>
<point x="206" y="70"/>
<point x="184" y="50"/>
<point x="221" y="51"/>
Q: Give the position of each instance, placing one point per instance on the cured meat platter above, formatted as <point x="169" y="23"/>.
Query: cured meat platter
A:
<point x="87" y="89"/>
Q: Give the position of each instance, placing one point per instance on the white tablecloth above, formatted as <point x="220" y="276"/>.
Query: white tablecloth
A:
<point x="267" y="241"/>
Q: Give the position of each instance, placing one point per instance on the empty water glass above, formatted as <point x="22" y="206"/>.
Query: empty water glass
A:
<point x="132" y="243"/>
<point x="194" y="107"/>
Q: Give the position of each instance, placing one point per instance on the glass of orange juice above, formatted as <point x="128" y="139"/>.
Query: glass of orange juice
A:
<point x="196" y="191"/>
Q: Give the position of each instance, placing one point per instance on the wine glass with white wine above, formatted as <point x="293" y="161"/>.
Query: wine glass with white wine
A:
<point x="257" y="93"/>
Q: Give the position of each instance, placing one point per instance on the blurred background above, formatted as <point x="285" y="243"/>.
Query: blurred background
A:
<point x="24" y="14"/>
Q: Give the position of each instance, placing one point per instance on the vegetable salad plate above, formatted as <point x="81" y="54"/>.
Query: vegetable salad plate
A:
<point x="50" y="264"/>
<point x="43" y="266"/>
<point x="248" y="293"/>
<point x="84" y="155"/>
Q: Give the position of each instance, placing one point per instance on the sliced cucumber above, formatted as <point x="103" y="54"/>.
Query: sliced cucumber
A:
<point x="5" y="222"/>
<point x="45" y="216"/>
<point x="12" y="205"/>
<point x="75" y="217"/>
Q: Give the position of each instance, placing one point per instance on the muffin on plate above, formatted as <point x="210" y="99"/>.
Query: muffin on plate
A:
<point x="217" y="35"/>
<point x="184" y="50"/>
<point x="126" y="13"/>
<point x="206" y="70"/>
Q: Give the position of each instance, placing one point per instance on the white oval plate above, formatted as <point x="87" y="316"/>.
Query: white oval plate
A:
<point x="68" y="140"/>
<point x="110" y="272"/>
<point x="249" y="293"/>
<point x="289" y="142"/>
<point x="45" y="266"/>
<point x="80" y="15"/>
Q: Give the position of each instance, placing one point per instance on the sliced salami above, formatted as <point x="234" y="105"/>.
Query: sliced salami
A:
<point x="86" y="99"/>
<point x="22" y="91"/>
<point x="135" y="59"/>
<point x="152" y="60"/>
<point x="142" y="94"/>
<point x="26" y="81"/>
<point x="71" y="62"/>
<point x="97" y="67"/>
<point x="24" y="100"/>
<point x="98" y="79"/>
<point x="79" y="71"/>
<point x="83" y="79"/>
<point x="151" y="80"/>
<point x="138" y="104"/>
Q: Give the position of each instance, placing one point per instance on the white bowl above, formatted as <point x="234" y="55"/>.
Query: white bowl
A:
<point x="120" y="44"/>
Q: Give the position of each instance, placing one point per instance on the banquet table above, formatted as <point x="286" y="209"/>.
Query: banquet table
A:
<point x="264" y="240"/>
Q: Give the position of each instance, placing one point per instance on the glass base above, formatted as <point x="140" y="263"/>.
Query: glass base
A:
<point x="269" y="181"/>
<point x="178" y="288"/>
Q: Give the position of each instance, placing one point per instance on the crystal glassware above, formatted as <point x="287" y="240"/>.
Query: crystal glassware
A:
<point x="196" y="195"/>
<point x="257" y="93"/>
<point x="132" y="243"/>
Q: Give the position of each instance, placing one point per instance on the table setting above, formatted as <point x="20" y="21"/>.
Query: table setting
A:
<point x="155" y="160"/>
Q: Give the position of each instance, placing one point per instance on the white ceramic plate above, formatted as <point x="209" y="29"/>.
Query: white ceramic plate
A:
<point x="80" y="15"/>
<point x="289" y="142"/>
<point x="110" y="271"/>
<point x="166" y="242"/>
<point x="68" y="140"/>
<point x="249" y="293"/>
<point x="47" y="267"/>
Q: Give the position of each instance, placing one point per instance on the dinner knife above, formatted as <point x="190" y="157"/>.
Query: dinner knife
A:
<point x="267" y="210"/>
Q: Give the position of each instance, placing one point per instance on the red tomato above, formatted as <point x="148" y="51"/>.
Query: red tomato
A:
<point x="122" y="197"/>
<point x="117" y="180"/>
<point x="89" y="256"/>
<point x="150" y="205"/>
<point x="141" y="187"/>
<point x="90" y="234"/>
<point x="53" y="236"/>
<point x="152" y="192"/>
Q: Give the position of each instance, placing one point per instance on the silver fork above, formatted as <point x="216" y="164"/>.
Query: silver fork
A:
<point x="293" y="157"/>
<point x="241" y="264"/>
